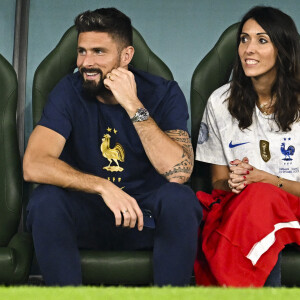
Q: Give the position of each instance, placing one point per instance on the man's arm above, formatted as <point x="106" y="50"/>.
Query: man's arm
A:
<point x="42" y="164"/>
<point x="170" y="152"/>
<point x="184" y="168"/>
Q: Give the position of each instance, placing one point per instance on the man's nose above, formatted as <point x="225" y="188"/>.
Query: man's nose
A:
<point x="88" y="61"/>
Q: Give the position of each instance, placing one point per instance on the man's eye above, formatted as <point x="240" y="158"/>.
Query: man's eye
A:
<point x="81" y="52"/>
<point x="98" y="51"/>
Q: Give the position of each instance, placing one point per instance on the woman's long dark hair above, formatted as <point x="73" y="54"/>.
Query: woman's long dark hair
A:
<point x="286" y="88"/>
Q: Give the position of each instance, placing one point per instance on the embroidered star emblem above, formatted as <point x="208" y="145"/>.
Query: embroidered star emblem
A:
<point x="109" y="129"/>
<point x="115" y="131"/>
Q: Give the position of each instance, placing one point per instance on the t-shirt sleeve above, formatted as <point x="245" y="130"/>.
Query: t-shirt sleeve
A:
<point x="209" y="145"/>
<point x="174" y="110"/>
<point x="56" y="113"/>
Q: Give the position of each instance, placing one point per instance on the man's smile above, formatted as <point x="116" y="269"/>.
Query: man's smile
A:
<point x="91" y="74"/>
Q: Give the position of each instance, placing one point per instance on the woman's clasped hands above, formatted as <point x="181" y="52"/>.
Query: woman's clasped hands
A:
<point x="242" y="174"/>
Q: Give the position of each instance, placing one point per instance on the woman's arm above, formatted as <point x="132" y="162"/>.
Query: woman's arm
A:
<point x="223" y="178"/>
<point x="220" y="176"/>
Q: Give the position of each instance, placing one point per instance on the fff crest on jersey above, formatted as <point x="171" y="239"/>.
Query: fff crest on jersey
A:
<point x="112" y="154"/>
<point x="287" y="150"/>
<point x="265" y="150"/>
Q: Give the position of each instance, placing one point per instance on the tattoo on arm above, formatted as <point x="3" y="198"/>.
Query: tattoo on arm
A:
<point x="187" y="163"/>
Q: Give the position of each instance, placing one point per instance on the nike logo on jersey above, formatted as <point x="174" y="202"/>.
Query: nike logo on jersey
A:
<point x="236" y="145"/>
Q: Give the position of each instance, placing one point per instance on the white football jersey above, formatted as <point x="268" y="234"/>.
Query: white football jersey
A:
<point x="221" y="141"/>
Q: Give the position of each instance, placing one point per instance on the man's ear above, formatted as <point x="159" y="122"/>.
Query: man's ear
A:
<point x="126" y="56"/>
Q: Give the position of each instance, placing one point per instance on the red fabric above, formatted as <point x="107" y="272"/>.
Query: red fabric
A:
<point x="234" y="225"/>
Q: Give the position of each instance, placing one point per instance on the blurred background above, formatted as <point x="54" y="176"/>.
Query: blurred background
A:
<point x="179" y="32"/>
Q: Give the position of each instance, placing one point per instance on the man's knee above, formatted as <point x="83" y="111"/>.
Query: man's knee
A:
<point x="46" y="204"/>
<point x="46" y="196"/>
<point x="180" y="200"/>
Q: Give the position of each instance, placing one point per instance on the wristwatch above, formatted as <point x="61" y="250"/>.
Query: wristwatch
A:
<point x="142" y="114"/>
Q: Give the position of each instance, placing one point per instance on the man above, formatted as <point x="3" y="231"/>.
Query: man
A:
<point x="111" y="151"/>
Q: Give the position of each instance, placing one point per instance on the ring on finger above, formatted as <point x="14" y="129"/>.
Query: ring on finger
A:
<point x="124" y="211"/>
<point x="230" y="186"/>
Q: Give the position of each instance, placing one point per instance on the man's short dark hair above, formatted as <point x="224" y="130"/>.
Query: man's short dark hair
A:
<point x="109" y="20"/>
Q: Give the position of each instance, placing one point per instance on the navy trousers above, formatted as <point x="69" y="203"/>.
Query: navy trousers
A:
<point x="274" y="279"/>
<point x="63" y="221"/>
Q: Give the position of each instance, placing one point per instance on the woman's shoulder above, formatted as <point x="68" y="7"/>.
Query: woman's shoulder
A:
<point x="216" y="101"/>
<point x="220" y="94"/>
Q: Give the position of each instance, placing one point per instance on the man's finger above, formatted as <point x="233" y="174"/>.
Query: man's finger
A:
<point x="138" y="213"/>
<point x="140" y="220"/>
<point x="118" y="217"/>
<point x="122" y="70"/>
<point x="126" y="217"/>
<point x="107" y="83"/>
<point x="133" y="217"/>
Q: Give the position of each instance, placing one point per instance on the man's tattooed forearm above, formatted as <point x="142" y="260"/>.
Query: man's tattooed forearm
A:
<point x="187" y="163"/>
<point x="188" y="150"/>
<point x="182" y="178"/>
<point x="182" y="140"/>
<point x="183" y="167"/>
<point x="176" y="133"/>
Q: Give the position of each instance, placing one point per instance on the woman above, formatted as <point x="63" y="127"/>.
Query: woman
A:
<point x="250" y="136"/>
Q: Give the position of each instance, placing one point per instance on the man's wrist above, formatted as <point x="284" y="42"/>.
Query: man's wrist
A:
<point x="132" y="109"/>
<point x="141" y="115"/>
<point x="100" y="185"/>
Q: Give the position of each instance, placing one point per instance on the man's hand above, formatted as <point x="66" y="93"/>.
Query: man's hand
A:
<point x="169" y="152"/>
<point x="119" y="203"/>
<point x="121" y="83"/>
<point x="42" y="164"/>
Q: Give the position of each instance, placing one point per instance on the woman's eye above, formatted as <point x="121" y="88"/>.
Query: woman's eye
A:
<point x="263" y="41"/>
<point x="243" y="39"/>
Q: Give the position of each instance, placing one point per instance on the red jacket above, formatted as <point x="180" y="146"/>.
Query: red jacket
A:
<point x="244" y="233"/>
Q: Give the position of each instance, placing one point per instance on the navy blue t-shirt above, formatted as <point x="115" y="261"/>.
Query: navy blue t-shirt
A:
<point x="101" y="139"/>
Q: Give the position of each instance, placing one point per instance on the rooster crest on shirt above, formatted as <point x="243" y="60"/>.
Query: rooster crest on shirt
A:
<point x="287" y="151"/>
<point x="114" y="154"/>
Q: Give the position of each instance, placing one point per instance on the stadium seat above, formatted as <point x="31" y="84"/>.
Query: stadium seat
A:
<point x="98" y="267"/>
<point x="15" y="247"/>
<point x="212" y="72"/>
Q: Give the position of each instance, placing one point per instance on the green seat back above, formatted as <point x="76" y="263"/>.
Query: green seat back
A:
<point x="211" y="73"/>
<point x="62" y="60"/>
<point x="10" y="165"/>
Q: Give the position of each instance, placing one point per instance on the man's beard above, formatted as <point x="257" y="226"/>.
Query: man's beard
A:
<point x="93" y="88"/>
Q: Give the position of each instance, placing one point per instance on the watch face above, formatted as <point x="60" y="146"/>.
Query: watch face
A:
<point x="142" y="114"/>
